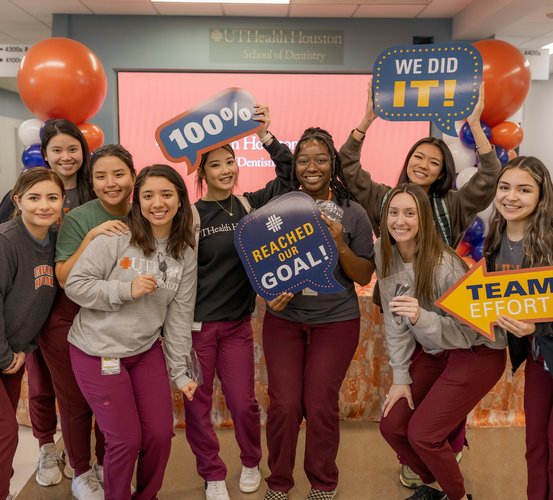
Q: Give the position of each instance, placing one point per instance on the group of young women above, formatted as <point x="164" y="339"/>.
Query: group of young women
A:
<point x="119" y="296"/>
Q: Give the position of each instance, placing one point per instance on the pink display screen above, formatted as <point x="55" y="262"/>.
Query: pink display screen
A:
<point x="335" y="102"/>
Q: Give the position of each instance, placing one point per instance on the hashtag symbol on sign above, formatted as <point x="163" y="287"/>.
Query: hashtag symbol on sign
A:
<point x="274" y="223"/>
<point x="125" y="263"/>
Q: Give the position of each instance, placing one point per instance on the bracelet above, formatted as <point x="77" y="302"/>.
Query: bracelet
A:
<point x="266" y="138"/>
<point x="362" y="133"/>
<point x="483" y="145"/>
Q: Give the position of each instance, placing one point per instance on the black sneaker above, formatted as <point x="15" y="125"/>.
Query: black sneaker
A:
<point x="425" y="492"/>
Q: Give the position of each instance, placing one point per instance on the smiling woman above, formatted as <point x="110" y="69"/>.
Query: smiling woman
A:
<point x="113" y="174"/>
<point x="27" y="290"/>
<point x="116" y="352"/>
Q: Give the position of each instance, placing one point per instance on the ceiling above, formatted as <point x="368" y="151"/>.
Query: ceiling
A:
<point x="524" y="23"/>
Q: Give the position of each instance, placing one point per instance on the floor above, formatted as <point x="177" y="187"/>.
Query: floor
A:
<point x="493" y="467"/>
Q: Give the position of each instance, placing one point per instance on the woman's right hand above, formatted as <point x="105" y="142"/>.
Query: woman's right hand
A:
<point x="280" y="302"/>
<point x="143" y="285"/>
<point x="17" y="362"/>
<point x="189" y="389"/>
<point x="396" y="392"/>
<point x="109" y="228"/>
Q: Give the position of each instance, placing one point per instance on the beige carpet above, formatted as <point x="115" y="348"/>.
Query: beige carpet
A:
<point x="493" y="467"/>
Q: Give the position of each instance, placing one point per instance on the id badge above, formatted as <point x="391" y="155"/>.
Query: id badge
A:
<point x="111" y="366"/>
<point x="308" y="292"/>
<point x="196" y="326"/>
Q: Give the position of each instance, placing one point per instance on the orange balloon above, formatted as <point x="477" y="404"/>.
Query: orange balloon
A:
<point x="506" y="73"/>
<point x="463" y="248"/>
<point x="469" y="260"/>
<point x="62" y="78"/>
<point x="512" y="154"/>
<point x="93" y="134"/>
<point x="508" y="135"/>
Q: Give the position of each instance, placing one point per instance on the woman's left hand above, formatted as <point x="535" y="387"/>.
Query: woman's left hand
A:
<point x="189" y="389"/>
<point x="261" y="114"/>
<point x="336" y="230"/>
<point x="516" y="327"/>
<point x="474" y="117"/>
<point x="406" y="306"/>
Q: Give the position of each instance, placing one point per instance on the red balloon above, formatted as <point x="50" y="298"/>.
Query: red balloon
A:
<point x="463" y="248"/>
<point x="62" y="78"/>
<point x="93" y="134"/>
<point x="506" y="73"/>
<point x="512" y="154"/>
<point x="508" y="135"/>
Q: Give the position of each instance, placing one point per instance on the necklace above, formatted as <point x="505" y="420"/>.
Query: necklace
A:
<point x="513" y="246"/>
<point x="223" y="208"/>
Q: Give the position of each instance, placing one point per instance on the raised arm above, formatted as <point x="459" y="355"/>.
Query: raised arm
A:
<point x="282" y="158"/>
<point x="368" y="193"/>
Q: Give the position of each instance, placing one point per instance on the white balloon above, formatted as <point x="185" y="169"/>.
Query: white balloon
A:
<point x="449" y="139"/>
<point x="485" y="216"/>
<point x="464" y="175"/>
<point x="464" y="157"/>
<point x="29" y="131"/>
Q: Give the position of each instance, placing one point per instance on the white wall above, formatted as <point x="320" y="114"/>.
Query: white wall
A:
<point x="10" y="157"/>
<point x="537" y="122"/>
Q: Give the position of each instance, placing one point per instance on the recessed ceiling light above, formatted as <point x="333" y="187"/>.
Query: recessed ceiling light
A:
<point x="224" y="1"/>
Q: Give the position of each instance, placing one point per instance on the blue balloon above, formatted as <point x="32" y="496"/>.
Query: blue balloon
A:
<point x="477" y="251"/>
<point x="475" y="232"/>
<point x="32" y="157"/>
<point x="466" y="135"/>
<point x="502" y="155"/>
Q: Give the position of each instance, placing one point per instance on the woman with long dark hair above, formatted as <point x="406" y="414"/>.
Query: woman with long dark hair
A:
<point x="131" y="287"/>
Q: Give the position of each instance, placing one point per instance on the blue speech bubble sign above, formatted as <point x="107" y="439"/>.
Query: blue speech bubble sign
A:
<point x="285" y="247"/>
<point x="436" y="82"/>
<point x="224" y="118"/>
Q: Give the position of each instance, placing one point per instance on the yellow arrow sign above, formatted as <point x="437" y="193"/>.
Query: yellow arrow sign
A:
<point x="480" y="297"/>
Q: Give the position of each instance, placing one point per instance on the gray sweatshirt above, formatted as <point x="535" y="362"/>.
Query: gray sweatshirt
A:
<point x="113" y="324"/>
<point x="435" y="330"/>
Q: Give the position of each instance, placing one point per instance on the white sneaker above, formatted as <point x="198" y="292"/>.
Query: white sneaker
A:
<point x="68" y="471"/>
<point x="99" y="473"/>
<point x="250" y="479"/>
<point x="48" y="471"/>
<point x="87" y="487"/>
<point x="216" y="490"/>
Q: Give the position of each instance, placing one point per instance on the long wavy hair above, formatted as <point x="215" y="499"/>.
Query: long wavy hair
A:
<point x="444" y="182"/>
<point x="429" y="248"/>
<point x="181" y="235"/>
<point x="338" y="184"/>
<point x="537" y="242"/>
<point x="51" y="129"/>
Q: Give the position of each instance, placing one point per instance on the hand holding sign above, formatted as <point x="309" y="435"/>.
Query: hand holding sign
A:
<point x="224" y="118"/>
<point x="286" y="247"/>
<point x="480" y="298"/>
<point x="437" y="82"/>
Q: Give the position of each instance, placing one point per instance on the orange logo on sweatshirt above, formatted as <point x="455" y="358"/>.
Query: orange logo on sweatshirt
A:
<point x="44" y="276"/>
<point x="125" y="263"/>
